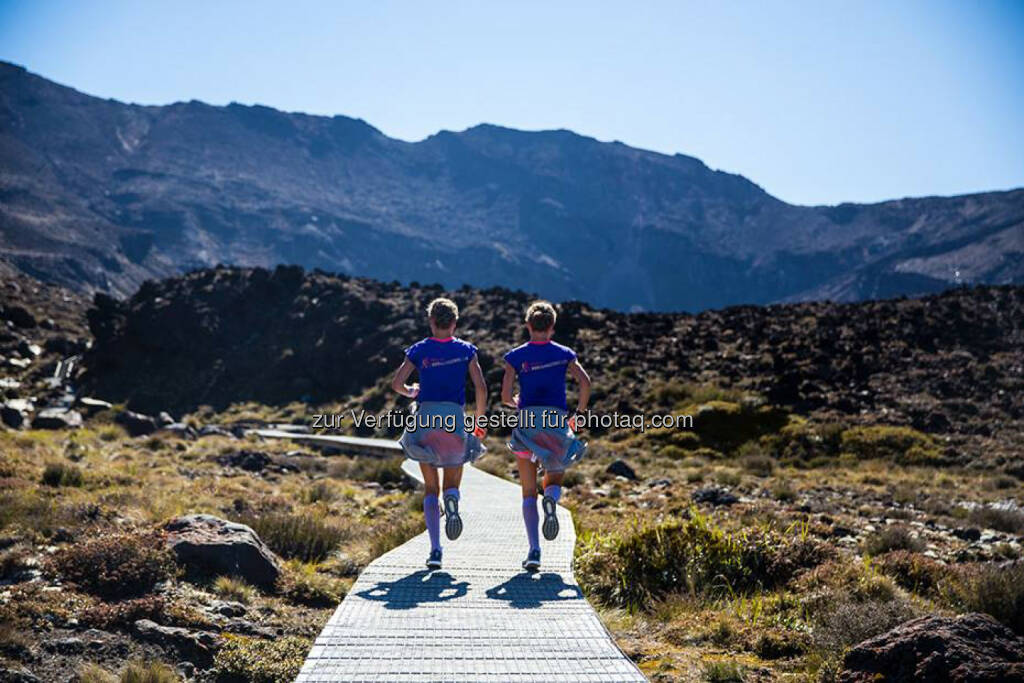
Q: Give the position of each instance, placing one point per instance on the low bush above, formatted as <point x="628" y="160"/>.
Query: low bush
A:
<point x="890" y="538"/>
<point x="302" y="584"/>
<point x="116" y="565"/>
<point x="109" y="615"/>
<point x="149" y="672"/>
<point x="722" y="671"/>
<point x="233" y="588"/>
<point x="995" y="589"/>
<point x="780" y="644"/>
<point x="62" y="474"/>
<point x="303" y="536"/>
<point x="94" y="673"/>
<point x="725" y="425"/>
<point x="901" y="444"/>
<point x="254" y="660"/>
<point x="913" y="572"/>
<point x="384" y="471"/>
<point x="1007" y="520"/>
<point x="633" y="569"/>
<point x="753" y="459"/>
<point x="842" y="621"/>
<point x="319" y="491"/>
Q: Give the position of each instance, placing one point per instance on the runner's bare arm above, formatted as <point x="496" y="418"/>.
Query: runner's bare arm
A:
<point x="507" y="384"/>
<point x="398" y="382"/>
<point x="479" y="386"/>
<point x="583" y="379"/>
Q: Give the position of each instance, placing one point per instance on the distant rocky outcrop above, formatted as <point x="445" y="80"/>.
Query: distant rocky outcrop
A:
<point x="102" y="195"/>
<point x="946" y="364"/>
<point x="972" y="648"/>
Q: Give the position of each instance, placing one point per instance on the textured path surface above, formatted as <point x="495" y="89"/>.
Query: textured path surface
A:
<point x="480" y="618"/>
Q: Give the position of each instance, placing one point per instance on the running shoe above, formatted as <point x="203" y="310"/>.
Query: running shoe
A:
<point x="434" y="561"/>
<point x="532" y="561"/>
<point x="550" y="527"/>
<point x="452" y="521"/>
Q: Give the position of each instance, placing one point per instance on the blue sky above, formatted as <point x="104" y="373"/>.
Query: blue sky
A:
<point x="818" y="102"/>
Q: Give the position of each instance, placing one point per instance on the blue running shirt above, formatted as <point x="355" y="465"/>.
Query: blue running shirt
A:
<point x="541" y="368"/>
<point x="442" y="365"/>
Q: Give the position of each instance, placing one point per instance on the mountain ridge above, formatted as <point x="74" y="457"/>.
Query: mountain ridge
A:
<point x="102" y="195"/>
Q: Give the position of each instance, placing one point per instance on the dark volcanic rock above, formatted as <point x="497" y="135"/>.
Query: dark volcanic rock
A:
<point x="19" y="315"/>
<point x="971" y="648"/>
<point x="137" y="424"/>
<point x="621" y="468"/>
<point x="251" y="461"/>
<point x="226" y="335"/>
<point x="715" y="496"/>
<point x="57" y="418"/>
<point x="197" y="647"/>
<point x="213" y="546"/>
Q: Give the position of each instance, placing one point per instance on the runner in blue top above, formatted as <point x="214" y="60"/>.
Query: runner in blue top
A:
<point x="541" y="366"/>
<point x="442" y="362"/>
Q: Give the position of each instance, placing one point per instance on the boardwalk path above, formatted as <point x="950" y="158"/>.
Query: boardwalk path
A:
<point x="480" y="618"/>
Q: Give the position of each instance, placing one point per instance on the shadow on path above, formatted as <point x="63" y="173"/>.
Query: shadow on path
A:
<point x="525" y="590"/>
<point x="416" y="589"/>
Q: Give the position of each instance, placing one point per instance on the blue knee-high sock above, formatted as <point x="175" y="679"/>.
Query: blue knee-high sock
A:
<point x="452" y="492"/>
<point x="532" y="519"/>
<point x="432" y="516"/>
<point x="554" y="491"/>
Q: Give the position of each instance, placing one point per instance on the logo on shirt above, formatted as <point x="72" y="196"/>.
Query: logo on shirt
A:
<point x="531" y="367"/>
<point x="438" y="362"/>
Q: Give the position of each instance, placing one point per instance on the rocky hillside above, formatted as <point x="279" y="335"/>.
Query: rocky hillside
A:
<point x="952" y="363"/>
<point x="102" y="195"/>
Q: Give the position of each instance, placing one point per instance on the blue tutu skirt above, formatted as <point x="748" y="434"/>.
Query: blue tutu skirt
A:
<point x="439" y="437"/>
<point x="544" y="433"/>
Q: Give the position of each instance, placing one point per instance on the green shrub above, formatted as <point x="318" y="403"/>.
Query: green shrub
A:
<point x="302" y="536"/>
<point x="890" y="538"/>
<point x="1007" y="520"/>
<point x="261" y="661"/>
<point x="995" y="589"/>
<point x="753" y="459"/>
<point x="633" y="569"/>
<point x="912" y="571"/>
<point x="302" y="584"/>
<point x="149" y="672"/>
<point x="722" y="671"/>
<point x="842" y="622"/>
<point x="800" y="440"/>
<point x="394" y="532"/>
<point x="780" y="644"/>
<point x="725" y="425"/>
<point x="62" y="474"/>
<point x="384" y="471"/>
<point x="115" y="566"/>
<point x="94" y="673"/>
<point x="901" y="444"/>
<point x="233" y="588"/>
<point x="320" y="491"/>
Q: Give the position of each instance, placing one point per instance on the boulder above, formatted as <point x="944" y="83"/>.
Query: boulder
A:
<point x="968" y="648"/>
<point x="620" y="468"/>
<point x="20" y="316"/>
<point x="250" y="461"/>
<point x="14" y="413"/>
<point x="213" y="546"/>
<point x="57" y="418"/>
<point x="197" y="647"/>
<point x="137" y="424"/>
<point x="715" y="496"/>
<point x="180" y="429"/>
